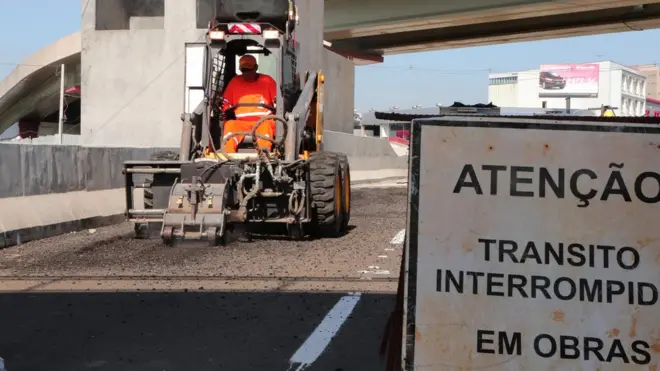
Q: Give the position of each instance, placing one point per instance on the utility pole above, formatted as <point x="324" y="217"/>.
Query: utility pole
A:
<point x="60" y="129"/>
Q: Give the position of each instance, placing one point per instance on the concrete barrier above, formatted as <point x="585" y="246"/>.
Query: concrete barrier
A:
<point x="357" y="146"/>
<point x="47" y="190"/>
<point x="31" y="170"/>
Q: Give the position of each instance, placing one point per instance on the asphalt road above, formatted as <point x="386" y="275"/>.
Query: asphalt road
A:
<point x="100" y="300"/>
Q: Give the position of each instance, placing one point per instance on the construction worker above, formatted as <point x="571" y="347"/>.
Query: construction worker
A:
<point x="606" y="111"/>
<point x="249" y="87"/>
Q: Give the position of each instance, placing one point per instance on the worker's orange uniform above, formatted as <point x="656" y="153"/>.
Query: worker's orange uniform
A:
<point x="263" y="90"/>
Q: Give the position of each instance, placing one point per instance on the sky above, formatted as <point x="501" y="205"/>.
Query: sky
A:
<point x="403" y="80"/>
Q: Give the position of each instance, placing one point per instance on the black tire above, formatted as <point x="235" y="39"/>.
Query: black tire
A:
<point x="346" y="191"/>
<point x="156" y="192"/>
<point x="326" y="189"/>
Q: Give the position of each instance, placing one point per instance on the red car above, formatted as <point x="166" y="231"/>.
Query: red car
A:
<point x="551" y="80"/>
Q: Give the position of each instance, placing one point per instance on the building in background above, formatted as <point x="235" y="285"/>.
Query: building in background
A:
<point x="370" y="126"/>
<point x="583" y="87"/>
<point x="652" y="74"/>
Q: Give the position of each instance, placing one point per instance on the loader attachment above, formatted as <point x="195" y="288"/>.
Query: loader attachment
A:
<point x="153" y="178"/>
<point x="183" y="200"/>
<point x="195" y="210"/>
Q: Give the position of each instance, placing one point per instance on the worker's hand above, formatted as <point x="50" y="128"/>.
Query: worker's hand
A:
<point x="224" y="105"/>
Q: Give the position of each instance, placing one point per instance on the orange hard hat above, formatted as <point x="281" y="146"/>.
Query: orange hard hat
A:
<point x="247" y="61"/>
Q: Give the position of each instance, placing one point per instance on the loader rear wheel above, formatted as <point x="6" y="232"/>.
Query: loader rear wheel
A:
<point x="346" y="189"/>
<point x="327" y="195"/>
<point x="157" y="196"/>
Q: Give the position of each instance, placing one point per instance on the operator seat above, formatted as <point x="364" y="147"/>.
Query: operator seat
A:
<point x="247" y="146"/>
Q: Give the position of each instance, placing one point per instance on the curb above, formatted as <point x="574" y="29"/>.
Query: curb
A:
<point x="21" y="236"/>
<point x="378" y="180"/>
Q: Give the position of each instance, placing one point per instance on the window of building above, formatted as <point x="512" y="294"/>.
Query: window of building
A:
<point x="629" y="106"/>
<point x="624" y="108"/>
<point x="624" y="79"/>
<point x="503" y="80"/>
<point x="544" y="104"/>
<point x="629" y="85"/>
<point x="400" y="131"/>
<point x="129" y="14"/>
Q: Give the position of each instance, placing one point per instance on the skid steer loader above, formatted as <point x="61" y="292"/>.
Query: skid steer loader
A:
<point x="203" y="193"/>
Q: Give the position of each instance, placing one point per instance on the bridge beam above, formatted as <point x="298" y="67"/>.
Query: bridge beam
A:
<point x="620" y="19"/>
<point x="346" y="19"/>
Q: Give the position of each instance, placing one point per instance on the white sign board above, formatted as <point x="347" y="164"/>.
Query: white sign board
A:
<point x="533" y="246"/>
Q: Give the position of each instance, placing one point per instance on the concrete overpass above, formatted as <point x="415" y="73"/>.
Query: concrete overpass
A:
<point x="362" y="31"/>
<point x="384" y="27"/>
<point x="31" y="91"/>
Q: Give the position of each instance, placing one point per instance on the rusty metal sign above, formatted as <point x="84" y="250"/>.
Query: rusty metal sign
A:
<point x="532" y="245"/>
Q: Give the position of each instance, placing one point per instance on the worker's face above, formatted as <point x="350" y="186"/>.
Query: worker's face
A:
<point x="250" y="74"/>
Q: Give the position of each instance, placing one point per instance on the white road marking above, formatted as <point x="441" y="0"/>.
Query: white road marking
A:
<point x="399" y="238"/>
<point x="374" y="267"/>
<point x="316" y="343"/>
<point x="389" y="249"/>
<point x="382" y="256"/>
<point x="375" y="272"/>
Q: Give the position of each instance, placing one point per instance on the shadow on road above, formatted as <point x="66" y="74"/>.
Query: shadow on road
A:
<point x="190" y="331"/>
<point x="275" y="232"/>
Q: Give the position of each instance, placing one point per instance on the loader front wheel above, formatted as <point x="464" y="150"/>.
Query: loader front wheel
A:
<point x="327" y="194"/>
<point x="157" y="195"/>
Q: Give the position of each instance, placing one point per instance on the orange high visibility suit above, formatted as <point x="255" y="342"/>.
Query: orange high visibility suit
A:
<point x="239" y="90"/>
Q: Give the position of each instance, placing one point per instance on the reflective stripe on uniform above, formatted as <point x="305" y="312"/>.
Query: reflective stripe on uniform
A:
<point x="256" y="113"/>
<point x="235" y="138"/>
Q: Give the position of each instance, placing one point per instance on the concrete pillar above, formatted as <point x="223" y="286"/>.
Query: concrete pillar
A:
<point x="339" y="72"/>
<point x="133" y="80"/>
<point x="340" y="92"/>
<point x="309" y="33"/>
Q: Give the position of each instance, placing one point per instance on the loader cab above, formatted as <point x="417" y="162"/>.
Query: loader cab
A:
<point x="267" y="66"/>
<point x="275" y="57"/>
<point x="265" y="60"/>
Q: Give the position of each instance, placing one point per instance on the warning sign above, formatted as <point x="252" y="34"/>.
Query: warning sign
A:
<point x="533" y="246"/>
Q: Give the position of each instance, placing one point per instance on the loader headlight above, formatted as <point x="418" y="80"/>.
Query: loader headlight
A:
<point x="217" y="35"/>
<point x="271" y="34"/>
